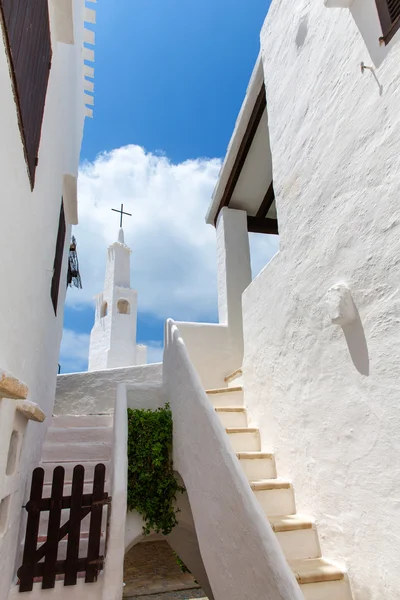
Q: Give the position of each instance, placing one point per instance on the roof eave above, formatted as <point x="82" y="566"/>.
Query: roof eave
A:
<point x="253" y="89"/>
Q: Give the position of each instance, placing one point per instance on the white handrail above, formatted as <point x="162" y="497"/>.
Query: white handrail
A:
<point x="240" y="552"/>
<point x="114" y="563"/>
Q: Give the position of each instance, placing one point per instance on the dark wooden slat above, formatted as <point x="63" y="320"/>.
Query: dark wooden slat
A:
<point x="95" y="523"/>
<point x="384" y="15"/>
<point x="389" y="16"/>
<point x="32" y="530"/>
<point x="45" y="503"/>
<point x="74" y="532"/>
<point x="267" y="202"/>
<point x="60" y="566"/>
<point x="29" y="47"/>
<point x="244" y="148"/>
<point x="49" y="574"/>
<point x="58" y="259"/>
<point x="256" y="225"/>
<point x="51" y="567"/>
<point x="392" y="31"/>
<point x="41" y="552"/>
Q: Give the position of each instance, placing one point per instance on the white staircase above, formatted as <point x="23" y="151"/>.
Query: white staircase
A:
<point x="71" y="441"/>
<point x="297" y="534"/>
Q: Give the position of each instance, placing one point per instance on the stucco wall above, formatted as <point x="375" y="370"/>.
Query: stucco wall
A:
<point x="94" y="392"/>
<point x="325" y="398"/>
<point x="210" y="349"/>
<point x="240" y="552"/>
<point x="30" y="334"/>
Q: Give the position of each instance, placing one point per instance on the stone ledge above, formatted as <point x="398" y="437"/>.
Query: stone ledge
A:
<point x="31" y="411"/>
<point x="338" y="3"/>
<point x="11" y="387"/>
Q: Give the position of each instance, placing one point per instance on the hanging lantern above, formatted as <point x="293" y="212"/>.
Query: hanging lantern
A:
<point x="73" y="277"/>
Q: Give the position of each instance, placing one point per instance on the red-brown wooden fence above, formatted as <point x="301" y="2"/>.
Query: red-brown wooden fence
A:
<point x="80" y="505"/>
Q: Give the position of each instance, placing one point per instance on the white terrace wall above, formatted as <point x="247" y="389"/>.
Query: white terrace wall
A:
<point x="326" y="397"/>
<point x="30" y="333"/>
<point x="94" y="392"/>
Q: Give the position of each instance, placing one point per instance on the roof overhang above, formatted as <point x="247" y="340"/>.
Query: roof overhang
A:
<point x="245" y="179"/>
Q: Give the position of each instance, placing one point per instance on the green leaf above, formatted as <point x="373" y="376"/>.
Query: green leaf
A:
<point x="152" y="485"/>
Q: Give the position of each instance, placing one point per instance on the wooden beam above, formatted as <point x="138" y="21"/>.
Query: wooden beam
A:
<point x="267" y="202"/>
<point x="243" y="151"/>
<point x="261" y="225"/>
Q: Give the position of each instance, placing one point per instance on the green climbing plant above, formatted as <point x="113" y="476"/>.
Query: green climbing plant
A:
<point x="181" y="564"/>
<point x="152" y="485"/>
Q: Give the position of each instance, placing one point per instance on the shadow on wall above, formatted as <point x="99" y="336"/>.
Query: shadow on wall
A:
<point x="366" y="17"/>
<point x="302" y="32"/>
<point x="357" y="345"/>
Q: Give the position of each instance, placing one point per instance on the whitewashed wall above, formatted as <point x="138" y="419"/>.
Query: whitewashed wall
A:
<point x="239" y="550"/>
<point x="327" y="398"/>
<point x="30" y="334"/>
<point x="94" y="392"/>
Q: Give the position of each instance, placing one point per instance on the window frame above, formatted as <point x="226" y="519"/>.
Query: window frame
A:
<point x="58" y="259"/>
<point x="389" y="27"/>
<point x="26" y="30"/>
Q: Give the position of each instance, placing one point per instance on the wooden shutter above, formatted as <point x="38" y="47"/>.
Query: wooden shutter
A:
<point x="389" y="15"/>
<point x="27" y="31"/>
<point x="55" y="282"/>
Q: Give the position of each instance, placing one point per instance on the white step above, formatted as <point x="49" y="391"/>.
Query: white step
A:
<point x="257" y="465"/>
<point x="85" y="523"/>
<point x="226" y="396"/>
<point x="276" y="497"/>
<point x="62" y="435"/>
<point x="82" y="421"/>
<point x="69" y="467"/>
<point x="76" y="452"/>
<point x="297" y="536"/>
<point x="244" y="439"/>
<point x="235" y="378"/>
<point x="44" y="520"/>
<point x="87" y="488"/>
<point x="321" y="580"/>
<point x="327" y="590"/>
<point x="232" y="416"/>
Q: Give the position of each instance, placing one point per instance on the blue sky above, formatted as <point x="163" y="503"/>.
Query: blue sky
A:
<point x="170" y="77"/>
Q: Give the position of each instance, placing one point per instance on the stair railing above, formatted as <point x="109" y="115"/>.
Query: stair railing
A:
<point x="240" y="551"/>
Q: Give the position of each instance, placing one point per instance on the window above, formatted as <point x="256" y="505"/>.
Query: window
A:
<point x="27" y="32"/>
<point x="103" y="310"/>
<point x="123" y="307"/>
<point x="55" y="282"/>
<point x="12" y="453"/>
<point x="389" y="15"/>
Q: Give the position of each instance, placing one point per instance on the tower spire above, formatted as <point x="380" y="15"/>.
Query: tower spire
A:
<point x="113" y="337"/>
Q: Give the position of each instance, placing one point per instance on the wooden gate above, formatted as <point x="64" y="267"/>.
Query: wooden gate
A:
<point x="41" y="562"/>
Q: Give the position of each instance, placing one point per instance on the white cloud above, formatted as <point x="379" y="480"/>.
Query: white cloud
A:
<point x="74" y="351"/>
<point x="173" y="250"/>
<point x="154" y="352"/>
<point x="173" y="259"/>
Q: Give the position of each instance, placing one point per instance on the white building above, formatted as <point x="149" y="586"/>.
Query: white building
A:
<point x="286" y="413"/>
<point x="41" y="49"/>
<point x="113" y="337"/>
<point x="319" y="355"/>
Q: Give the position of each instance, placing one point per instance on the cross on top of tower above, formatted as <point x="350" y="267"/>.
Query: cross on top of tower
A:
<point x="122" y="213"/>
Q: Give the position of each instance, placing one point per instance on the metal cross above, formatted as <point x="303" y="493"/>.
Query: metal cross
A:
<point x="122" y="213"/>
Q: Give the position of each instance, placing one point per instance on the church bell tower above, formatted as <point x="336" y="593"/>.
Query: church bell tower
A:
<point x="113" y="337"/>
